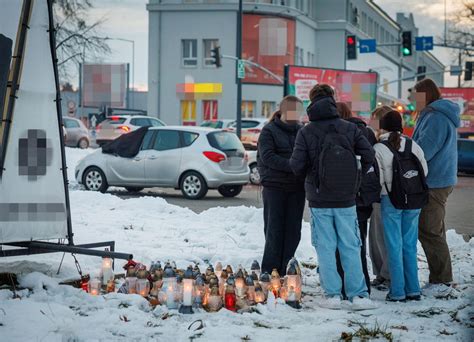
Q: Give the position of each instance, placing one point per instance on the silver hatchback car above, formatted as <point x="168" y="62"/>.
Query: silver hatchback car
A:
<point x="192" y="159"/>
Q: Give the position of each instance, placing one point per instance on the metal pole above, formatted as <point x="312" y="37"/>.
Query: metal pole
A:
<point x="459" y="76"/>
<point x="238" y="80"/>
<point x="133" y="72"/>
<point x="400" y="71"/>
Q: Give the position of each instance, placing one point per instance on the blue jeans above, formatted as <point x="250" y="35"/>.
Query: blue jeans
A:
<point x="401" y="235"/>
<point x="337" y="228"/>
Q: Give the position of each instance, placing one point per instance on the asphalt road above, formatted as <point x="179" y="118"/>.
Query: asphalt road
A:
<point x="459" y="214"/>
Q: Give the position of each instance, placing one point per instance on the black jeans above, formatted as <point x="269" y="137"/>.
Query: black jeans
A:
<point x="363" y="215"/>
<point x="282" y="214"/>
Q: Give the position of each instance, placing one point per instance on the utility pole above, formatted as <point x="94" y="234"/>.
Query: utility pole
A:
<point x="459" y="76"/>
<point x="237" y="79"/>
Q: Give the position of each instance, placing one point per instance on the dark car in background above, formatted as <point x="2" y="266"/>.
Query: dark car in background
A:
<point x="466" y="155"/>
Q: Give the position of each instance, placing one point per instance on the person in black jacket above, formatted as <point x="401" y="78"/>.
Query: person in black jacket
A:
<point x="325" y="152"/>
<point x="283" y="192"/>
<point x="363" y="206"/>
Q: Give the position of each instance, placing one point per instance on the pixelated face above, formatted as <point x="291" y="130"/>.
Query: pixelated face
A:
<point x="418" y="99"/>
<point x="34" y="155"/>
<point x="292" y="112"/>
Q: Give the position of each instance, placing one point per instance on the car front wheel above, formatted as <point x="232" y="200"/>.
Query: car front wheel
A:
<point x="230" y="190"/>
<point x="94" y="180"/>
<point x="254" y="175"/>
<point x="83" y="143"/>
<point x="193" y="185"/>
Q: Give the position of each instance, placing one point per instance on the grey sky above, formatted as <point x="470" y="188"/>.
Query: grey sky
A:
<point x="129" y="19"/>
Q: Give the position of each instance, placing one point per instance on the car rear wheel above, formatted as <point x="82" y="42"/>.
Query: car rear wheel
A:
<point x="230" y="190"/>
<point x="83" y="143"/>
<point x="133" y="189"/>
<point x="193" y="185"/>
<point x="94" y="180"/>
<point x="254" y="175"/>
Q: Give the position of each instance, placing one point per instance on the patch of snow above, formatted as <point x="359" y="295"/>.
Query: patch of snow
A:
<point x="153" y="229"/>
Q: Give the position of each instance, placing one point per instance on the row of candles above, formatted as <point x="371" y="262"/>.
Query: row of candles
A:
<point x="216" y="288"/>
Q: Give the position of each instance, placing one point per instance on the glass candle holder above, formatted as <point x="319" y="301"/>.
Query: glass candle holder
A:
<point x="143" y="287"/>
<point x="131" y="284"/>
<point x="94" y="287"/>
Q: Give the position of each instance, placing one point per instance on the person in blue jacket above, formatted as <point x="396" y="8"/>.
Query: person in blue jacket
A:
<point x="436" y="133"/>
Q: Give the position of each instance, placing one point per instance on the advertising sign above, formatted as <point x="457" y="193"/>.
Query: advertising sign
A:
<point x="356" y="88"/>
<point x="464" y="97"/>
<point x="104" y="84"/>
<point x="270" y="42"/>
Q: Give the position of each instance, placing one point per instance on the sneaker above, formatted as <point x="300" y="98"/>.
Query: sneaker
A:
<point x="377" y="281"/>
<point x="415" y="298"/>
<point x="385" y="286"/>
<point x="333" y="303"/>
<point x="363" y="303"/>
<point x="389" y="298"/>
<point x="438" y="291"/>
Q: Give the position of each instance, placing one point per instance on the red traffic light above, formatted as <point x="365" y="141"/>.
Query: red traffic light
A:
<point x="350" y="40"/>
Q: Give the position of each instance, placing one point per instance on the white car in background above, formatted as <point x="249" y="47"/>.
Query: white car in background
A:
<point x="192" y="159"/>
<point x="251" y="128"/>
<point x="252" y="161"/>
<point x="116" y="125"/>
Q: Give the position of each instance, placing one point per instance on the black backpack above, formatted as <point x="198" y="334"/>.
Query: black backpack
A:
<point x="370" y="187"/>
<point x="409" y="188"/>
<point x="338" y="169"/>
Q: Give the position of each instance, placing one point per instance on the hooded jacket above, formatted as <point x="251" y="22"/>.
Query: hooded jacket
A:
<point x="367" y="132"/>
<point x="275" y="146"/>
<point x="436" y="134"/>
<point x="322" y="113"/>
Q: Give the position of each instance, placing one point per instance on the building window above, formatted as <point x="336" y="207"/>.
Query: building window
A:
<point x="268" y="107"/>
<point x="188" y="112"/>
<point x="370" y="30"/>
<point x="248" y="109"/>
<point x="189" y="52"/>
<point x="364" y="22"/>
<point x="209" y="110"/>
<point x="209" y="44"/>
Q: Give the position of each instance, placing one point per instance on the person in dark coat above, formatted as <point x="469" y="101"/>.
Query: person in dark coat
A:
<point x="363" y="211"/>
<point x="283" y="192"/>
<point x="334" y="218"/>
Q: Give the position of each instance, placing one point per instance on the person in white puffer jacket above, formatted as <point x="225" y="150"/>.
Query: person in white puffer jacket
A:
<point x="400" y="226"/>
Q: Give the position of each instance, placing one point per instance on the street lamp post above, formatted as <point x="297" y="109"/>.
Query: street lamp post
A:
<point x="133" y="59"/>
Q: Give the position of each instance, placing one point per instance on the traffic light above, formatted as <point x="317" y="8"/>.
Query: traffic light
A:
<point x="420" y="73"/>
<point x="216" y="56"/>
<point x="351" y="42"/>
<point x="468" y="71"/>
<point x="406" y="43"/>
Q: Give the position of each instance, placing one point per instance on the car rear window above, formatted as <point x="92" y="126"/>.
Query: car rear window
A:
<point x="212" y="124"/>
<point x="115" y="121"/>
<point x="246" y="124"/>
<point x="225" y="141"/>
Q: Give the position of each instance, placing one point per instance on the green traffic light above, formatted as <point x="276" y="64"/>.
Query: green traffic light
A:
<point x="406" y="51"/>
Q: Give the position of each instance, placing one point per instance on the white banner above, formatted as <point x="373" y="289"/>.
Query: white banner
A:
<point x="32" y="192"/>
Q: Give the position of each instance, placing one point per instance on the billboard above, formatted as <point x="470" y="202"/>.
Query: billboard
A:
<point x="270" y="42"/>
<point x="104" y="84"/>
<point x="356" y="88"/>
<point x="464" y="97"/>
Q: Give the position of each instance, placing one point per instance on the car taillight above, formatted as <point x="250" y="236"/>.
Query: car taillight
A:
<point x="214" y="156"/>
<point x="254" y="130"/>
<point x="125" y="129"/>
<point x="246" y="157"/>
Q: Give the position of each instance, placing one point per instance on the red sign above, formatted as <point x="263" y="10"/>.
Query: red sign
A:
<point x="270" y="42"/>
<point x="356" y="88"/>
<point x="464" y="97"/>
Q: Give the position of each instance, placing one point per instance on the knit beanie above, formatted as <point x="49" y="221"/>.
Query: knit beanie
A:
<point x="392" y="122"/>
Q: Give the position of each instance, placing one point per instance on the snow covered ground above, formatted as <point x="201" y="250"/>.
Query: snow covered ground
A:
<point x="152" y="229"/>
